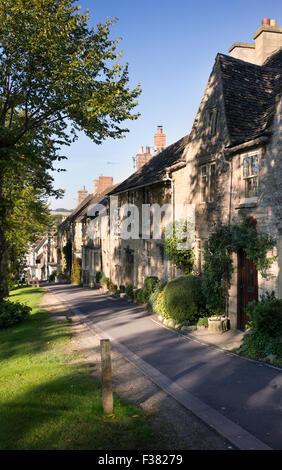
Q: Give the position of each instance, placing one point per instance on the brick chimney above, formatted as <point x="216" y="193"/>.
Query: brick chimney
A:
<point x="82" y="194"/>
<point x="101" y="184"/>
<point x="268" y="39"/>
<point x="142" y="157"/>
<point x="159" y="140"/>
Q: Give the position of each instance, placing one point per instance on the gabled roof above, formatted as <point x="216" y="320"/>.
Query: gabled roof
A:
<point x="155" y="169"/>
<point x="40" y="243"/>
<point x="249" y="93"/>
<point x="75" y="213"/>
<point x="99" y="198"/>
<point x="79" y="212"/>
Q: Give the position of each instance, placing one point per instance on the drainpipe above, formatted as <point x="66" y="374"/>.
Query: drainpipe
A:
<point x="168" y="178"/>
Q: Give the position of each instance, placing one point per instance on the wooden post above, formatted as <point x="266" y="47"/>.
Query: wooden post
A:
<point x="106" y="365"/>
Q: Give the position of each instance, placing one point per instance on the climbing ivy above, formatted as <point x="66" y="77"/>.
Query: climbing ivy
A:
<point x="178" y="236"/>
<point x="67" y="251"/>
<point x="218" y="267"/>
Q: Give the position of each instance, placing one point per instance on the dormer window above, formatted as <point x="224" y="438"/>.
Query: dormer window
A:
<point x="212" y="121"/>
<point x="250" y="175"/>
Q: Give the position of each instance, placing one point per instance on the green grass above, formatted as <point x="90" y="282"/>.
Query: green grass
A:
<point x="48" y="402"/>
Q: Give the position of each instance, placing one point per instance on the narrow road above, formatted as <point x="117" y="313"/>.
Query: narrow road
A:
<point x="247" y="393"/>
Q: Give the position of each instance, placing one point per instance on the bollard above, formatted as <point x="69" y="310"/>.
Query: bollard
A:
<point x="106" y="365"/>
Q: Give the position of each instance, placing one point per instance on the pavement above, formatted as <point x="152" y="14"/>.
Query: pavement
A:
<point x="237" y="397"/>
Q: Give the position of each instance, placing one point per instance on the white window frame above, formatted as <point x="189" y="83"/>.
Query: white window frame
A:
<point x="252" y="176"/>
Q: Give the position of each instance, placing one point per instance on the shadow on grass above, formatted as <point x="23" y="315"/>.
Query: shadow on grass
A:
<point x="66" y="413"/>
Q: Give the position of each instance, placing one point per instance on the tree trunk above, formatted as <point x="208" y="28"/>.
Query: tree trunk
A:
<point x="3" y="248"/>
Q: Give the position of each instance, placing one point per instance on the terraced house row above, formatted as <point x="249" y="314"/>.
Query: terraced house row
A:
<point x="229" y="165"/>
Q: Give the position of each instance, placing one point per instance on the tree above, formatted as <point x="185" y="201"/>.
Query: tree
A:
<point x="58" y="76"/>
<point x="29" y="220"/>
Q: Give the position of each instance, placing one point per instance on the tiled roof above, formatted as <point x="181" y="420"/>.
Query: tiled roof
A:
<point x="155" y="169"/>
<point x="249" y="93"/>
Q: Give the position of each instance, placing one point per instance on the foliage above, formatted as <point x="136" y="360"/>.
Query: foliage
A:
<point x="258" y="345"/>
<point x="179" y="237"/>
<point x="104" y="281"/>
<point x="112" y="287"/>
<point x="76" y="272"/>
<point x="51" y="278"/>
<point x="139" y="295"/>
<point x="264" y="333"/>
<point x="204" y="321"/>
<point x="67" y="252"/>
<point x="122" y="289"/>
<point x="149" y="286"/>
<point x="218" y="251"/>
<point x="266" y="315"/>
<point x="154" y="301"/>
<point x="183" y="299"/>
<point x="12" y="313"/>
<point x="129" y="290"/>
<point x="58" y="76"/>
<point x="98" y="276"/>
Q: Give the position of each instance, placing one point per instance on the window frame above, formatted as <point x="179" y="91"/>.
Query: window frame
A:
<point x="208" y="184"/>
<point x="251" y="176"/>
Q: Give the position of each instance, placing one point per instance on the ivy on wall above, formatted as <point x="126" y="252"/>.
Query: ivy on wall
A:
<point x="178" y="236"/>
<point x="67" y="251"/>
<point x="218" y="267"/>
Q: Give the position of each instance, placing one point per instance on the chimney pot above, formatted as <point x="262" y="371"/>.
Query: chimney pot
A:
<point x="140" y="149"/>
<point x="265" y="21"/>
<point x="273" y="23"/>
<point x="147" y="149"/>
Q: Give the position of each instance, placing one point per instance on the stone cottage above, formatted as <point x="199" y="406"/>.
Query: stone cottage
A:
<point x="71" y="229"/>
<point x="229" y="165"/>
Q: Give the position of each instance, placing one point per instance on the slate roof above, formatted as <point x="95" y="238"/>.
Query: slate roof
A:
<point x="249" y="93"/>
<point x="155" y="169"/>
<point x="96" y="199"/>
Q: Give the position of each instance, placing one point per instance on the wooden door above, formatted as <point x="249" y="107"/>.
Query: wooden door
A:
<point x="247" y="287"/>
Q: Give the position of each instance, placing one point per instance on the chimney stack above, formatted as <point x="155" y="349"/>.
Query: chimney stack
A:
<point x="159" y="140"/>
<point x="142" y="157"/>
<point x="101" y="184"/>
<point x="82" y="194"/>
<point x="268" y="39"/>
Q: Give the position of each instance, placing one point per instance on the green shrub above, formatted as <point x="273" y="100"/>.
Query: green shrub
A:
<point x="257" y="345"/>
<point x="112" y="287"/>
<point x="149" y="286"/>
<point x="203" y="322"/>
<point x="266" y="315"/>
<point x="98" y="276"/>
<point x="153" y="301"/>
<point x="104" y="281"/>
<point x="51" y="278"/>
<point x="129" y="291"/>
<point x="12" y="313"/>
<point x="183" y="299"/>
<point x="139" y="296"/>
<point x="122" y="289"/>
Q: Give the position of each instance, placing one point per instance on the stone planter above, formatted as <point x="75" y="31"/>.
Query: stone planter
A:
<point x="217" y="325"/>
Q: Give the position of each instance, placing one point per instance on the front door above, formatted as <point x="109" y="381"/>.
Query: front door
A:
<point x="247" y="287"/>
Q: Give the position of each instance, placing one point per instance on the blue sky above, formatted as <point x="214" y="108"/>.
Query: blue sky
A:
<point x="170" y="47"/>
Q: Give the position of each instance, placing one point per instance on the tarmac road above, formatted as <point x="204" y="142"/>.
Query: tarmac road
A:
<point x="247" y="393"/>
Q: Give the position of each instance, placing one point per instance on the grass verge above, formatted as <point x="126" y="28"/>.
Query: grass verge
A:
<point x="46" y="402"/>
